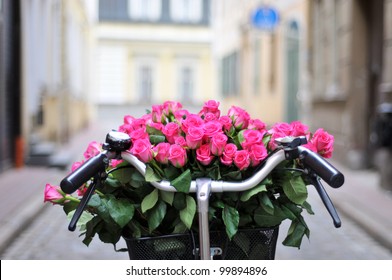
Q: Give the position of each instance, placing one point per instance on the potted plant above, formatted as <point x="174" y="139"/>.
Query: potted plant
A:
<point x="180" y="146"/>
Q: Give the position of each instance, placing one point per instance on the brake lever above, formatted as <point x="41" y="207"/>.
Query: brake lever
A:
<point x="316" y="182"/>
<point x="97" y="181"/>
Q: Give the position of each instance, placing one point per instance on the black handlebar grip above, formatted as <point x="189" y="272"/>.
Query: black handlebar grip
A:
<point x="322" y="168"/>
<point x="85" y="172"/>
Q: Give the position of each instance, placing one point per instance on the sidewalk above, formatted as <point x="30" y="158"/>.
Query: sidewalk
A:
<point x="22" y="191"/>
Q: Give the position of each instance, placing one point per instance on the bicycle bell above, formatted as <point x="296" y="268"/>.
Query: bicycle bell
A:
<point x="291" y="141"/>
<point x="117" y="141"/>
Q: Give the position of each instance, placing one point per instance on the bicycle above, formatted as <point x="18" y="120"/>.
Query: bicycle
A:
<point x="315" y="167"/>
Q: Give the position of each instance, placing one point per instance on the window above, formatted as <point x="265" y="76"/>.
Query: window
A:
<point x="186" y="84"/>
<point x="145" y="83"/>
<point x="186" y="10"/>
<point x="230" y="75"/>
<point x="145" y="10"/>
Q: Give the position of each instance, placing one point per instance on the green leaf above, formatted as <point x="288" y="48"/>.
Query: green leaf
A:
<point x="295" y="234"/>
<point x="123" y="175"/>
<point x="308" y="208"/>
<point x="94" y="201"/>
<point x="233" y="175"/>
<point x="266" y="139"/>
<point x="188" y="213"/>
<point x="121" y="211"/>
<point x="167" y="197"/>
<point x="180" y="228"/>
<point x="264" y="219"/>
<point x="156" y="215"/>
<point x="171" y="172"/>
<point x="267" y="204"/>
<point x="151" y="176"/>
<point x="289" y="213"/>
<point x="150" y="200"/>
<point x="70" y="206"/>
<point x="295" y="189"/>
<point x="156" y="139"/>
<point x="231" y="219"/>
<point x="179" y="201"/>
<point x="214" y="171"/>
<point x="183" y="182"/>
<point x="153" y="131"/>
<point x="249" y="193"/>
<point x="83" y="220"/>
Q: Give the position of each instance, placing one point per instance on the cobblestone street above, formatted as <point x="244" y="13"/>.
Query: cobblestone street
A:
<point x="49" y="238"/>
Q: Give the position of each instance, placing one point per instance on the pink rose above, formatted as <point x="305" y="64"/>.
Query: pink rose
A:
<point x="211" y="128"/>
<point x="139" y="123"/>
<point x="142" y="150"/>
<point x="171" y="130"/>
<point x="157" y="114"/>
<point x="218" y="143"/>
<point x="228" y="154"/>
<point x="157" y="126"/>
<point x="226" y="122"/>
<point x="251" y="137"/>
<point x="242" y="159"/>
<point x="282" y="128"/>
<point x="126" y="128"/>
<point x="128" y="119"/>
<point x="211" y="106"/>
<point x="179" y="140"/>
<point x="323" y="142"/>
<point x="170" y="107"/>
<point x="191" y="120"/>
<point x="177" y="156"/>
<point x="93" y="149"/>
<point x="181" y="114"/>
<point x="209" y="117"/>
<point x="115" y="162"/>
<point x="298" y="129"/>
<point x="76" y="165"/>
<point x="139" y="133"/>
<point x="278" y="130"/>
<point x="257" y="124"/>
<point x="161" y="151"/>
<point x="53" y="194"/>
<point x="203" y="154"/>
<point x="194" y="137"/>
<point x="257" y="153"/>
<point x="239" y="116"/>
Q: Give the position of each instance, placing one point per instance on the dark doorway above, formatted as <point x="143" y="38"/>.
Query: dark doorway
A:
<point x="10" y="122"/>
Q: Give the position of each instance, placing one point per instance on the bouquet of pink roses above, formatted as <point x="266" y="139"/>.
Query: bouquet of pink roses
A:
<point x="180" y="146"/>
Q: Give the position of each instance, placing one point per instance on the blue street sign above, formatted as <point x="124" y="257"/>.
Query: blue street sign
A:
<point x="265" y="18"/>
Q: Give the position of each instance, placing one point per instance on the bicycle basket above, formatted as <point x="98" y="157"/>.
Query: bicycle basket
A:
<point x="247" y="244"/>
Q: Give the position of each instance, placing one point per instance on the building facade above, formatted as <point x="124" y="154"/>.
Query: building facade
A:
<point x="261" y="57"/>
<point x="351" y="76"/>
<point x="45" y="62"/>
<point x="150" y="51"/>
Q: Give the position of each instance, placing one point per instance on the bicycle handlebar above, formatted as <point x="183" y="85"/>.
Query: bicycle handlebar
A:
<point x="98" y="163"/>
<point x="321" y="167"/>
<point x="85" y="172"/>
<point x="316" y="166"/>
<point x="216" y="186"/>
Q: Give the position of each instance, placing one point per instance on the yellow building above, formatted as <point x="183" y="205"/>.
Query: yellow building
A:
<point x="260" y="57"/>
<point x="55" y="65"/>
<point x="150" y="51"/>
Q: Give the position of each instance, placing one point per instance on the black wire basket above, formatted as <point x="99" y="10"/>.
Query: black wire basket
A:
<point x="247" y="244"/>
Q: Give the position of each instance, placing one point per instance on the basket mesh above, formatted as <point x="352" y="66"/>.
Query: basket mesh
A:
<point x="249" y="244"/>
